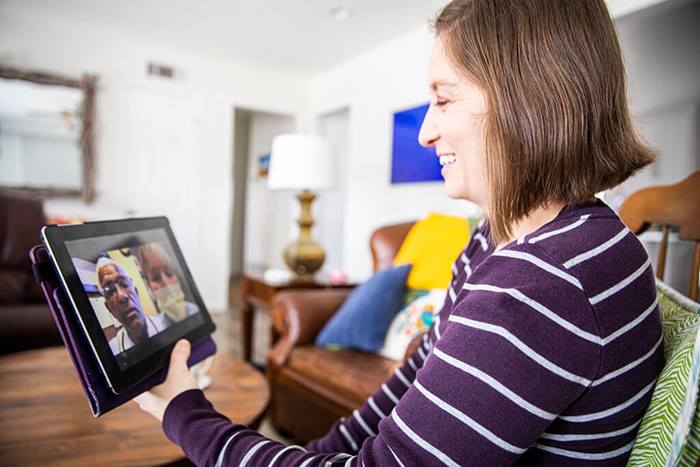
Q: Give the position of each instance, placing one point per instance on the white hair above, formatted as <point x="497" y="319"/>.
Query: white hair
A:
<point x="102" y="262"/>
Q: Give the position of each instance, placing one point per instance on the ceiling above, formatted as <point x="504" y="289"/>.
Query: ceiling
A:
<point x="293" y="35"/>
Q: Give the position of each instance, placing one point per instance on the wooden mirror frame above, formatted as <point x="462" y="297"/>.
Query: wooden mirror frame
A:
<point x="88" y="84"/>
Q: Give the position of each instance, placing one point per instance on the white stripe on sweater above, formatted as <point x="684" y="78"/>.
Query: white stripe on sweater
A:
<point x="591" y="456"/>
<point x="540" y="264"/>
<point x="629" y="366"/>
<point x="402" y="378"/>
<point x="620" y="285"/>
<point x="376" y="408"/>
<point x="288" y="448"/>
<point x="308" y="461"/>
<point x="412" y="365"/>
<point x="467" y="263"/>
<point x="444" y="458"/>
<point x="222" y="453"/>
<point x="590" y="436"/>
<point x="390" y="394"/>
<point x="597" y="250"/>
<point x="337" y="457"/>
<point x="610" y="411"/>
<point x="398" y="461"/>
<point x="482" y="240"/>
<point x="565" y="229"/>
<point x="362" y="423"/>
<point x="543" y="310"/>
<point x="523" y="348"/>
<point x="495" y="384"/>
<point x="252" y="451"/>
<point x="452" y="294"/>
<point x="427" y="343"/>
<point x="347" y="435"/>
<point x="470" y="422"/>
<point x="631" y="324"/>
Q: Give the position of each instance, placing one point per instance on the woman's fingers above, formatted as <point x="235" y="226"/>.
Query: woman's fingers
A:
<point x="179" y="356"/>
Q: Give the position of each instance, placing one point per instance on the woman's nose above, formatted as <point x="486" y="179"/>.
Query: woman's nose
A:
<point x="428" y="134"/>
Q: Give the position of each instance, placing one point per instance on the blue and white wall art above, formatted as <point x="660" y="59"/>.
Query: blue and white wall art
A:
<point x="411" y="162"/>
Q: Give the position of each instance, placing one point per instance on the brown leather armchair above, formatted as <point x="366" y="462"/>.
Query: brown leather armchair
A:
<point x="313" y="386"/>
<point x="25" y="319"/>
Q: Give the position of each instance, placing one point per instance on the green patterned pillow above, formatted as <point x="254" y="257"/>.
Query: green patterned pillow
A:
<point x="670" y="430"/>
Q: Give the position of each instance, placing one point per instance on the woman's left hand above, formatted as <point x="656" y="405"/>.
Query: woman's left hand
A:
<point x="179" y="380"/>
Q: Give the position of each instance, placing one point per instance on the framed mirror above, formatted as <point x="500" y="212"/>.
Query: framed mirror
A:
<point x="47" y="134"/>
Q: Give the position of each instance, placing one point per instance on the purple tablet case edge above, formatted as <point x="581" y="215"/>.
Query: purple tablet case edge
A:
<point x="97" y="392"/>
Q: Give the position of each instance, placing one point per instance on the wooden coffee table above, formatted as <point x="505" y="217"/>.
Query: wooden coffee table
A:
<point x="44" y="418"/>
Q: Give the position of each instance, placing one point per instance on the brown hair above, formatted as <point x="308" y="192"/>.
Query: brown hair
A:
<point x="558" y="127"/>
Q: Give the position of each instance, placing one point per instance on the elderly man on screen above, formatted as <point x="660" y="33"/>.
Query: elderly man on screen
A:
<point x="122" y="300"/>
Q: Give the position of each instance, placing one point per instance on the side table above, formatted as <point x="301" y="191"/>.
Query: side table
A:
<point x="257" y="293"/>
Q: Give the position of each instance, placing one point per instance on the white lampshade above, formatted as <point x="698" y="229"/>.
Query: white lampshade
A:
<point x="300" y="161"/>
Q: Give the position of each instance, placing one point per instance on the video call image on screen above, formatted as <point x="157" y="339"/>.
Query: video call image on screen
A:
<point x="136" y="291"/>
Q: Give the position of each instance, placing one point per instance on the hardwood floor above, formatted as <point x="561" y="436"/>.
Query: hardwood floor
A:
<point x="228" y="340"/>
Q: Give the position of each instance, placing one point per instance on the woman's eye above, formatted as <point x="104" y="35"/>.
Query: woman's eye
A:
<point x="441" y="103"/>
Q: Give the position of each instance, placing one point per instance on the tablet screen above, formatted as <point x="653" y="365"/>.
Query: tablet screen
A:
<point x="137" y="290"/>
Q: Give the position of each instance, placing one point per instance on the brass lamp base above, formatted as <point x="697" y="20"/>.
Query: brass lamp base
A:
<point x="304" y="256"/>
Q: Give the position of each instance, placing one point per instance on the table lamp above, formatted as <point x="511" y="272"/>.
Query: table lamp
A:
<point x="301" y="162"/>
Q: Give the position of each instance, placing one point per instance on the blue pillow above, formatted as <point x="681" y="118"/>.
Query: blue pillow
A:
<point x="363" y="319"/>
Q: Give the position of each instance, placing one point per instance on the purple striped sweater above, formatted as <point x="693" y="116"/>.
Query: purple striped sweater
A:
<point x="545" y="353"/>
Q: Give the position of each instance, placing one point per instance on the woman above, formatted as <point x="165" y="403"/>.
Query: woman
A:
<point x="163" y="280"/>
<point x="549" y="343"/>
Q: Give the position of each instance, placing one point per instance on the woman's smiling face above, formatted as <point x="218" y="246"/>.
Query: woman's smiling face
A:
<point x="454" y="125"/>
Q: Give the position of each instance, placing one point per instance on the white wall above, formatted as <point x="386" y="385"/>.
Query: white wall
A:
<point x="393" y="76"/>
<point x="133" y="127"/>
<point x="373" y="86"/>
<point x="662" y="59"/>
<point x="269" y="215"/>
<point x="329" y="209"/>
<point x="163" y="147"/>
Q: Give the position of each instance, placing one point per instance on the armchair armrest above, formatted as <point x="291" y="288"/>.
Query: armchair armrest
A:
<point x="299" y="315"/>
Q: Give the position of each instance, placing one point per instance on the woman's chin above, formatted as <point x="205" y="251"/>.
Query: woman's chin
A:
<point x="454" y="192"/>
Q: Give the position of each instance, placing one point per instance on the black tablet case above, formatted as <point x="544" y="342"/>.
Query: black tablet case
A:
<point x="97" y="392"/>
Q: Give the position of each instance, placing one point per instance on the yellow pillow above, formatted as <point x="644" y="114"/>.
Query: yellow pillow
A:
<point x="431" y="246"/>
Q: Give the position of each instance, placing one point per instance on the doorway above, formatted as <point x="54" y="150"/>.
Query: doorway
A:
<point x="261" y="219"/>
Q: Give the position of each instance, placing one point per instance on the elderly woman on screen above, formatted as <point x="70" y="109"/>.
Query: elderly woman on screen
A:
<point x="164" y="281"/>
<point x="549" y="342"/>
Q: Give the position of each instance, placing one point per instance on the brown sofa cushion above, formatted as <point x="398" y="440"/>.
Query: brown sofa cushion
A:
<point x="351" y="373"/>
<point x="21" y="220"/>
<point x="27" y="327"/>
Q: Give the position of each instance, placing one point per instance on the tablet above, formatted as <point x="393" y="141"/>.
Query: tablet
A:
<point x="132" y="292"/>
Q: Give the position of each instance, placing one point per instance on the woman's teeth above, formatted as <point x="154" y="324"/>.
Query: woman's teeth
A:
<point x="447" y="159"/>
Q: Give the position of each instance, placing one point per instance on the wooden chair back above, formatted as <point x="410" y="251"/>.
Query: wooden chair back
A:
<point x="669" y="205"/>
